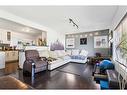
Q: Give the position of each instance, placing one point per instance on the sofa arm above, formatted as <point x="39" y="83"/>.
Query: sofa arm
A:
<point x="28" y="65"/>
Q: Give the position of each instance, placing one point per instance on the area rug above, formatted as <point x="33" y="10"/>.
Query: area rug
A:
<point x="73" y="68"/>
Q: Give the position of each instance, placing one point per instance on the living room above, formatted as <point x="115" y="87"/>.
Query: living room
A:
<point x="63" y="47"/>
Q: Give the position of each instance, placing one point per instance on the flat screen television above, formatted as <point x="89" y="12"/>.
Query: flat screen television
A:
<point x="83" y="41"/>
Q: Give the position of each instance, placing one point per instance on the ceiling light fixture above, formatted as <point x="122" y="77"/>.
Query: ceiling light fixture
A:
<point x="85" y="35"/>
<point x="80" y="35"/>
<point x="90" y="34"/>
<point x="74" y="24"/>
<point x="96" y="33"/>
<point x="26" y="29"/>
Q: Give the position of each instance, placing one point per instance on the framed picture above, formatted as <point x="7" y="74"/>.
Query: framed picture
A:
<point x="100" y="42"/>
<point x="83" y="41"/>
<point x="70" y="43"/>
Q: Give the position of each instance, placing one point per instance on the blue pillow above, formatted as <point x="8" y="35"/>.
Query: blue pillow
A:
<point x="106" y="64"/>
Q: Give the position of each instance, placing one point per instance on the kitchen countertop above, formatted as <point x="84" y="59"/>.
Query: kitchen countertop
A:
<point x="8" y="50"/>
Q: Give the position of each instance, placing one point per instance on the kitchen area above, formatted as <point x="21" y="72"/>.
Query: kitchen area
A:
<point x="15" y="38"/>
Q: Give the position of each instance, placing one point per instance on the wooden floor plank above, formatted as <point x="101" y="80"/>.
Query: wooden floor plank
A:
<point x="56" y="79"/>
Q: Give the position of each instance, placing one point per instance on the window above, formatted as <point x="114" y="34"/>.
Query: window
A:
<point x="120" y="42"/>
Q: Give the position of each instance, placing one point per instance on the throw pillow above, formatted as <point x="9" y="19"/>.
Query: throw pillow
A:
<point x="75" y="52"/>
<point x="83" y="53"/>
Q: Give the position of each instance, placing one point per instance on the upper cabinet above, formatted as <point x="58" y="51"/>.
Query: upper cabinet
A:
<point x="5" y="36"/>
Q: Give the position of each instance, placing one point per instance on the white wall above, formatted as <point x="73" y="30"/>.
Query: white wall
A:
<point x="61" y="38"/>
<point x="52" y="35"/>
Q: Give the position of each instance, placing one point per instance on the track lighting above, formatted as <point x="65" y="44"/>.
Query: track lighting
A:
<point x="74" y="24"/>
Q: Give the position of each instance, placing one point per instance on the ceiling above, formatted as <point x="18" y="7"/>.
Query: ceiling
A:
<point x="13" y="26"/>
<point x="57" y="17"/>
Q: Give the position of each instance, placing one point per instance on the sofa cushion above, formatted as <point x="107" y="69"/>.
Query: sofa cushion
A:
<point x="63" y="52"/>
<point x="65" y="57"/>
<point x="60" y="53"/>
<point x="84" y="53"/>
<point x="79" y="57"/>
<point x="40" y="63"/>
<point x="44" y="53"/>
<point x="82" y="57"/>
<point x="73" y="56"/>
<point x="53" y="54"/>
<point x="68" y="52"/>
<point x="75" y="52"/>
<point x="56" y="61"/>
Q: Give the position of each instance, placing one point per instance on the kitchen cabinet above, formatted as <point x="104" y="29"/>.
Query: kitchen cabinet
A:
<point x="2" y="60"/>
<point x="11" y="56"/>
<point x="4" y="36"/>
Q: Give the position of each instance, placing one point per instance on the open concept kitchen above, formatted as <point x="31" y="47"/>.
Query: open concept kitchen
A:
<point x="14" y="39"/>
<point x="63" y="47"/>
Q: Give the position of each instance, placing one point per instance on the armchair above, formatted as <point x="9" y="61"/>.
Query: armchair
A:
<point x="34" y="63"/>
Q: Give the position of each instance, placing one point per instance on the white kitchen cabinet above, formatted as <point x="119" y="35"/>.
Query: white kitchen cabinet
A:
<point x="11" y="56"/>
<point x="3" y="36"/>
<point x="14" y="55"/>
<point x="2" y="60"/>
<point x="7" y="57"/>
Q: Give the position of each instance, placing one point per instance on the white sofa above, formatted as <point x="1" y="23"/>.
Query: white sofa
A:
<point x="79" y="56"/>
<point x="62" y="57"/>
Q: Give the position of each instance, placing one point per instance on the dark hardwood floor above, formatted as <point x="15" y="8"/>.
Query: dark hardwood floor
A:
<point x="11" y="67"/>
<point x="78" y="78"/>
